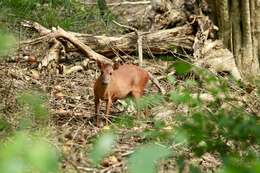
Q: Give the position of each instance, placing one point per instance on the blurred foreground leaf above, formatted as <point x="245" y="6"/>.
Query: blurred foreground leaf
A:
<point x="7" y="42"/>
<point x="149" y="101"/>
<point x="102" y="147"/>
<point x="3" y="124"/>
<point x="36" y="103"/>
<point x="181" y="67"/>
<point x="233" y="165"/>
<point x="144" y="158"/>
<point x="23" y="153"/>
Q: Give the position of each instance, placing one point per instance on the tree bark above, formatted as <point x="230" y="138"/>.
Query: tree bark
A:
<point x="257" y="28"/>
<point x="156" y="42"/>
<point x="236" y="32"/>
<point x="224" y="22"/>
<point x="249" y="62"/>
<point x="243" y="17"/>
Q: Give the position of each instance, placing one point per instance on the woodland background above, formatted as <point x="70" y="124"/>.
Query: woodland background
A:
<point x="203" y="99"/>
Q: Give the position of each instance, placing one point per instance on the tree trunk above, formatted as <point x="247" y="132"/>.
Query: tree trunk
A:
<point x="239" y="23"/>
<point x="249" y="62"/>
<point x="224" y="21"/>
<point x="236" y="32"/>
<point x="257" y="28"/>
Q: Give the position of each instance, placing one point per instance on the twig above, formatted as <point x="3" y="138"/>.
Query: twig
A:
<point x="139" y="41"/>
<point x="140" y="48"/>
<point x="73" y="69"/>
<point x="36" y="26"/>
<point x="86" y="169"/>
<point x="156" y="82"/>
<point x="73" y="165"/>
<point x="111" y="167"/>
<point x="127" y="153"/>
<point x="36" y="40"/>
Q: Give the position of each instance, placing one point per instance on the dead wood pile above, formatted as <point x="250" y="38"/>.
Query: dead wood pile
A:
<point x="175" y="26"/>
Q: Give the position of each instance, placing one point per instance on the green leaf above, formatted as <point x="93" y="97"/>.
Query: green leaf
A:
<point x="43" y="157"/>
<point x="144" y="158"/>
<point x="179" y="98"/>
<point x="124" y="120"/>
<point x="102" y="147"/>
<point x="7" y="42"/>
<point x="21" y="153"/>
<point x="3" y="124"/>
<point x="180" y="136"/>
<point x="181" y="67"/>
<point x="149" y="101"/>
<point x="35" y="101"/>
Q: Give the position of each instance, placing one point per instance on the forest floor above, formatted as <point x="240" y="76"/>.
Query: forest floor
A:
<point x="71" y="125"/>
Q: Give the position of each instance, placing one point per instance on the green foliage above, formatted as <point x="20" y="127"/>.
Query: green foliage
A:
<point x="7" y="42"/>
<point x="232" y="133"/>
<point x="102" y="147"/>
<point x="234" y="165"/>
<point x="23" y="153"/>
<point x="149" y="101"/>
<point x="181" y="67"/>
<point x="3" y="124"/>
<point x="158" y="132"/>
<point x="183" y="98"/>
<point x="124" y="121"/>
<point x="67" y="14"/>
<point x="209" y="132"/>
<point x="35" y="101"/>
<point x="145" y="157"/>
<point x="160" y="135"/>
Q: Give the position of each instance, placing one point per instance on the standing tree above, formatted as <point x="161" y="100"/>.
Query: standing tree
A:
<point x="239" y="24"/>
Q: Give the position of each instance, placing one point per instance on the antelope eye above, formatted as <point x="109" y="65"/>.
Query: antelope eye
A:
<point x="110" y="73"/>
<point x="102" y="73"/>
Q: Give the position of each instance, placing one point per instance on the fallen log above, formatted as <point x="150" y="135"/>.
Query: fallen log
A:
<point x="157" y="42"/>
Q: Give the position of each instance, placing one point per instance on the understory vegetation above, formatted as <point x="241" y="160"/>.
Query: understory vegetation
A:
<point x="68" y="14"/>
<point x="226" y="125"/>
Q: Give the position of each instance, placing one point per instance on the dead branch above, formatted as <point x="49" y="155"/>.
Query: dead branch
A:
<point x="60" y="33"/>
<point x="53" y="54"/>
<point x="36" y="26"/>
<point x="73" y="69"/>
<point x="156" y="42"/>
<point x="139" y="42"/>
<point x="156" y="82"/>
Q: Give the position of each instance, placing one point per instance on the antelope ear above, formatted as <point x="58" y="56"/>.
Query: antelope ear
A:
<point x="99" y="63"/>
<point x="116" y="66"/>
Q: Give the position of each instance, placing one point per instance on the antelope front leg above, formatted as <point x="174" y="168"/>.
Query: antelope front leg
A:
<point x="97" y="107"/>
<point x="109" y="103"/>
